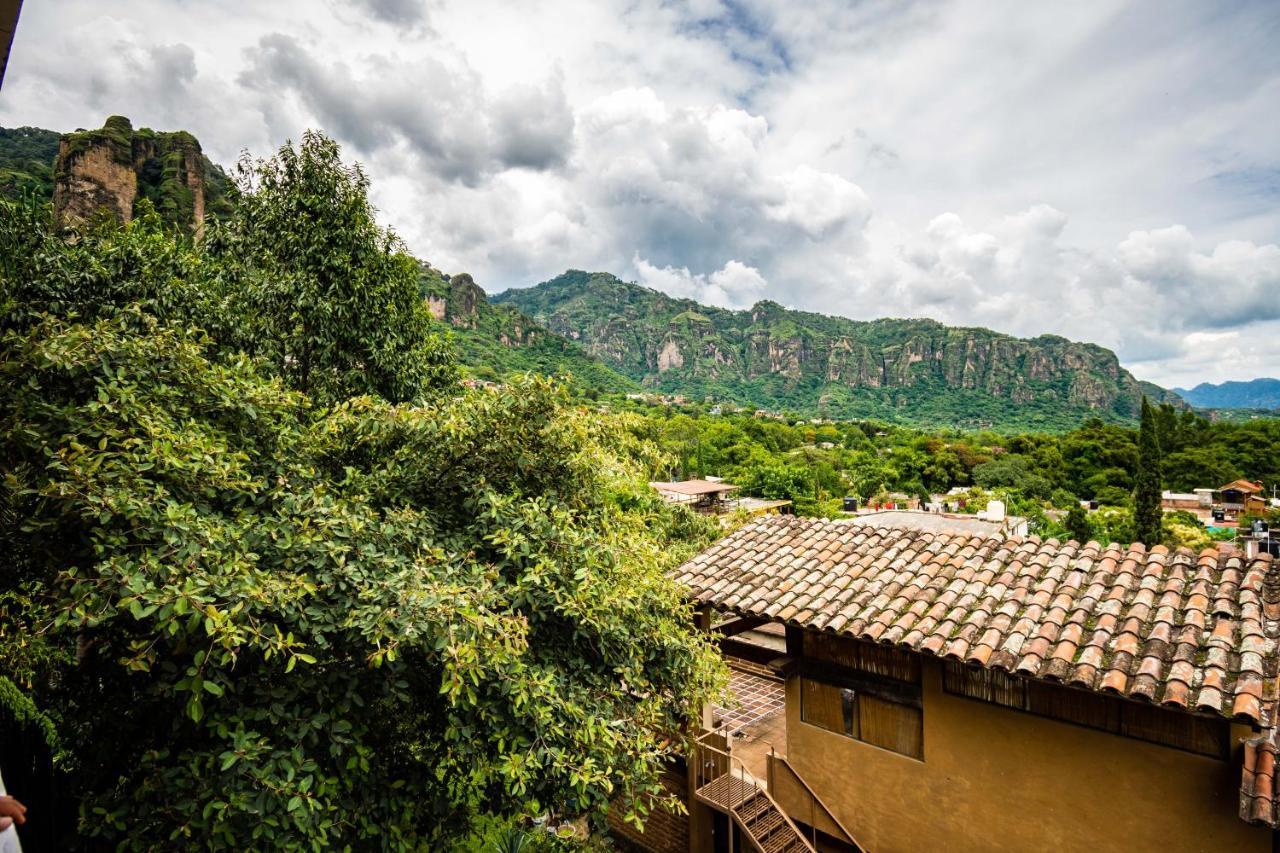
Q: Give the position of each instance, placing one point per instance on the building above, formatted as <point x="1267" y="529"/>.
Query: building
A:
<point x="963" y="692"/>
<point x="716" y="497"/>
<point x="1199" y="500"/>
<point x="942" y="522"/>
<point x="1243" y="497"/>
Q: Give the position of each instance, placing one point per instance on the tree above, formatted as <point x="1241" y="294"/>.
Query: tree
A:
<point x="1077" y="524"/>
<point x="326" y="295"/>
<point x="263" y="618"/>
<point x="1147" y="513"/>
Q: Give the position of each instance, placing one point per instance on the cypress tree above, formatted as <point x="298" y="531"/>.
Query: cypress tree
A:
<point x="1147" y="515"/>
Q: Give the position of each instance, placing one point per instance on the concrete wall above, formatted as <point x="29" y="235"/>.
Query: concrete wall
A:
<point x="994" y="779"/>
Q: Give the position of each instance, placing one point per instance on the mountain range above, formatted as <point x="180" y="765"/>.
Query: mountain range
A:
<point x="917" y="371"/>
<point x="1253" y="394"/>
<point x="615" y="336"/>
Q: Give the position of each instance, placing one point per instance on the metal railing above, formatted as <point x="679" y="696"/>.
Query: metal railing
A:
<point x="712" y="764"/>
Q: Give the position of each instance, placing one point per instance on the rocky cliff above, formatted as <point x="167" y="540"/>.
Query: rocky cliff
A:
<point x="495" y="340"/>
<point x="110" y="170"/>
<point x="913" y="370"/>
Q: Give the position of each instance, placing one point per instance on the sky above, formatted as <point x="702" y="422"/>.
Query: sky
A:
<point x="1106" y="171"/>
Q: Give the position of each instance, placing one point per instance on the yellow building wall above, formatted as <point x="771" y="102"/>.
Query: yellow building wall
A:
<point x="995" y="779"/>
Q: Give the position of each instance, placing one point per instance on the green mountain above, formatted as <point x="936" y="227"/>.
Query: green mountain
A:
<point x="26" y="162"/>
<point x="495" y="340"/>
<point x="910" y="371"/>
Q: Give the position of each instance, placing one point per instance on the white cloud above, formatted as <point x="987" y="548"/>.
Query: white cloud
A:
<point x="1108" y="173"/>
<point x="735" y="285"/>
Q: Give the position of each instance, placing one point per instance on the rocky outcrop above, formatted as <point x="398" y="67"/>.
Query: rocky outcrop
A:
<point x="494" y="340"/>
<point x="776" y="356"/>
<point x="91" y="179"/>
<point x="107" y="172"/>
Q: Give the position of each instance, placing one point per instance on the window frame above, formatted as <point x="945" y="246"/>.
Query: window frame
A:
<point x="876" y="687"/>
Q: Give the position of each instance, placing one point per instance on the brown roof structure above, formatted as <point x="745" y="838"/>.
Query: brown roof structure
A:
<point x="1258" y="781"/>
<point x="694" y="487"/>
<point x="1242" y="486"/>
<point x="1187" y="631"/>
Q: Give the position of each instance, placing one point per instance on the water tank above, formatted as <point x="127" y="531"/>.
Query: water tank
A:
<point x="995" y="510"/>
<point x="850" y="504"/>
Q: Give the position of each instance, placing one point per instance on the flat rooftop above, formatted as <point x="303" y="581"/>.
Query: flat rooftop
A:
<point x="930" y="522"/>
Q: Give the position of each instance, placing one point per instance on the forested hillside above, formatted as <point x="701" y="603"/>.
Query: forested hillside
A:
<point x="910" y="371"/>
<point x="26" y="162"/>
<point x="495" y="341"/>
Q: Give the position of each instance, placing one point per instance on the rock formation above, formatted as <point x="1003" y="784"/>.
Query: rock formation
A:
<point x="110" y="170"/>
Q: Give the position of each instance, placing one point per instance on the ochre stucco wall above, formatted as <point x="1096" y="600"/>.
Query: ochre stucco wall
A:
<point x="994" y="779"/>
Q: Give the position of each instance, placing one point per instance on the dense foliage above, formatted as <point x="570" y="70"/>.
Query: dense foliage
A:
<point x="26" y="162"/>
<point x="274" y="580"/>
<point x="1147" y="514"/>
<point x="1039" y="475"/>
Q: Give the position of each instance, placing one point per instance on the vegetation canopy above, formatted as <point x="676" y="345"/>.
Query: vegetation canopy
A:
<point x="275" y="580"/>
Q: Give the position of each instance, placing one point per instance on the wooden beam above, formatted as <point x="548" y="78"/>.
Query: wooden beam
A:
<point x="743" y="623"/>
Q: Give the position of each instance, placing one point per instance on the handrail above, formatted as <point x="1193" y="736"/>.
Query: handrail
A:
<point x="813" y="795"/>
<point x="723" y="763"/>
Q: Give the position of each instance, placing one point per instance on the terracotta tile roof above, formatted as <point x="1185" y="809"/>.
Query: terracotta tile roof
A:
<point x="1198" y="633"/>
<point x="694" y="487"/>
<point x="1258" y="781"/>
<point x="1241" y="486"/>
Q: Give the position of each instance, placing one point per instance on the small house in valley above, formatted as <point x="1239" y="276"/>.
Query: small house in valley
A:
<point x="966" y="691"/>
<point x="715" y="497"/>
<point x="1243" y="497"/>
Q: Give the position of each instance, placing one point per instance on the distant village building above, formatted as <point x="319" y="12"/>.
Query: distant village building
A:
<point x="904" y="690"/>
<point x="716" y="497"/>
<point x="984" y="524"/>
<point x="1243" y="496"/>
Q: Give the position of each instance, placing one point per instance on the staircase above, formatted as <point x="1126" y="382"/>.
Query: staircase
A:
<point x="723" y="783"/>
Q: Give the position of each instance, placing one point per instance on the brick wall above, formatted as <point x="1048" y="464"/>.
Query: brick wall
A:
<point x="663" y="832"/>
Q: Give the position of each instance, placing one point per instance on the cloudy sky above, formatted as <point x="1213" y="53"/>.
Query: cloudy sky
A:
<point x="1107" y="171"/>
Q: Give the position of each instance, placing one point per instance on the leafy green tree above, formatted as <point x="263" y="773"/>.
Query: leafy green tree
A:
<point x="326" y="295"/>
<point x="1147" y="514"/>
<point x="261" y="618"/>
<point x="1011" y="471"/>
<point x="779" y="482"/>
<point x="1077" y="524"/>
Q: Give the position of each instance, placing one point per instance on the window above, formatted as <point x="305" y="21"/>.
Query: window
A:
<point x="863" y="715"/>
<point x="863" y="691"/>
<point x="1202" y="735"/>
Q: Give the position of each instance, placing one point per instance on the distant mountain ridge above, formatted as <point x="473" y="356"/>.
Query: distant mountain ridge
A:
<point x="1252" y="394"/>
<point x="769" y="356"/>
